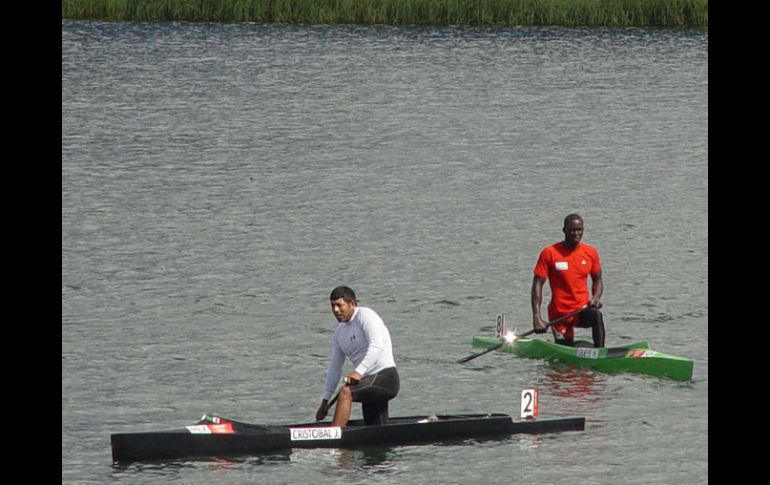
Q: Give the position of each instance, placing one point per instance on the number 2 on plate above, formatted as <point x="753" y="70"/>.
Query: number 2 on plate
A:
<point x="529" y="407"/>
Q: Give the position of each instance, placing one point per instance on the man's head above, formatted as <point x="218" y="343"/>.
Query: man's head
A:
<point x="573" y="230"/>
<point x="343" y="300"/>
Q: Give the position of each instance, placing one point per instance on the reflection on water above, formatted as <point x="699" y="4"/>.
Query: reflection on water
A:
<point x="529" y="441"/>
<point x="271" y="458"/>
<point x="375" y="459"/>
<point x="149" y="469"/>
<point x="367" y="460"/>
<point x="580" y="389"/>
<point x="168" y="468"/>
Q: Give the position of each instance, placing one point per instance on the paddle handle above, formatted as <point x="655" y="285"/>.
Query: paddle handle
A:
<point x="555" y="321"/>
<point x="347" y="382"/>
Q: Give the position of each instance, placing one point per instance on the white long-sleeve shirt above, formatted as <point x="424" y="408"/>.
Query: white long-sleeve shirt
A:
<point x="365" y="340"/>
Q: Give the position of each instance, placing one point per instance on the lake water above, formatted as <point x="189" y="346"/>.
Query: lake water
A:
<point x="218" y="180"/>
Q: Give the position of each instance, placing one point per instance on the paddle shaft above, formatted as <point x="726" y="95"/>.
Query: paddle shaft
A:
<point x="334" y="399"/>
<point x="529" y="332"/>
<point x="554" y="322"/>
<point x="473" y="356"/>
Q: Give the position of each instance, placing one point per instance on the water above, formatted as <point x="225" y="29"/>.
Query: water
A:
<point x="218" y="180"/>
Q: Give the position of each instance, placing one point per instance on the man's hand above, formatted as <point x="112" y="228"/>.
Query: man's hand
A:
<point x="353" y="378"/>
<point x="538" y="325"/>
<point x="322" y="410"/>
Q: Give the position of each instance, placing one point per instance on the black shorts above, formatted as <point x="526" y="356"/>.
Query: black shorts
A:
<point x="589" y="318"/>
<point x="374" y="392"/>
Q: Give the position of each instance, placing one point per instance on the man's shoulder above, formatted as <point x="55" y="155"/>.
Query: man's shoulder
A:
<point x="367" y="314"/>
<point x="551" y="248"/>
<point x="365" y="310"/>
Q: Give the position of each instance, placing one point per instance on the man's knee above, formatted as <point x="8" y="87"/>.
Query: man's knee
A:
<point x="590" y="317"/>
<point x="345" y="394"/>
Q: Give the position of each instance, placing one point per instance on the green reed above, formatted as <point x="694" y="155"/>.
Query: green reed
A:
<point x="572" y="13"/>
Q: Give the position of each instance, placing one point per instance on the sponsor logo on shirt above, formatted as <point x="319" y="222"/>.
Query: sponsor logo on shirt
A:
<point x="561" y="265"/>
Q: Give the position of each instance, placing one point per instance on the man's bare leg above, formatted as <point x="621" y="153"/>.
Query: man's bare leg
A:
<point x="344" y="404"/>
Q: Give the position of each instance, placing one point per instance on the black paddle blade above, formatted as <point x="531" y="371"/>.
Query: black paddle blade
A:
<point x="473" y="356"/>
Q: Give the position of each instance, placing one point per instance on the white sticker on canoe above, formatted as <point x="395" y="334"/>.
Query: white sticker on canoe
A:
<point x="642" y="353"/>
<point x="587" y="353"/>
<point x="222" y="428"/>
<point x="327" y="433"/>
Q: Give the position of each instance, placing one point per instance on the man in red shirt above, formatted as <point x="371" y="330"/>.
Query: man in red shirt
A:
<point x="566" y="265"/>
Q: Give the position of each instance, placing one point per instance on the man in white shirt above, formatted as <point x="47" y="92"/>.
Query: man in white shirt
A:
<point x="362" y="337"/>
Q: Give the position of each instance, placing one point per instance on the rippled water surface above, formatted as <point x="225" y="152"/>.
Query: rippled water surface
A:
<point x="218" y="180"/>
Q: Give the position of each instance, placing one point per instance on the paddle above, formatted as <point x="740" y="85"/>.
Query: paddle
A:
<point x="529" y="332"/>
<point x="334" y="399"/>
<point x="337" y="394"/>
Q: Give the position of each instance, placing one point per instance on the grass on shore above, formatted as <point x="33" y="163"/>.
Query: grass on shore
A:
<point x="572" y="13"/>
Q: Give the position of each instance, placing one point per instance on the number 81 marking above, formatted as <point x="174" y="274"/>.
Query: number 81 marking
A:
<point x="501" y="329"/>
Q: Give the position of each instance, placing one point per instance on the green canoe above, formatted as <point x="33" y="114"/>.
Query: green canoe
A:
<point x="635" y="357"/>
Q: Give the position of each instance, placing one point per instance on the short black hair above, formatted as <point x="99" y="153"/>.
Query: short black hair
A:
<point x="343" y="292"/>
<point x="572" y="217"/>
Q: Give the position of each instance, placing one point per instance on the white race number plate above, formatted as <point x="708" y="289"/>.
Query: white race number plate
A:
<point x="585" y="353"/>
<point x="330" y="433"/>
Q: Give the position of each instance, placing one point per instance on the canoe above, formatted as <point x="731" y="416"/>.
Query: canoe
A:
<point x="635" y="357"/>
<point x="214" y="436"/>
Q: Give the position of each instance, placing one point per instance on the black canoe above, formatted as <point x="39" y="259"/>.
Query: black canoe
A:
<point x="215" y="436"/>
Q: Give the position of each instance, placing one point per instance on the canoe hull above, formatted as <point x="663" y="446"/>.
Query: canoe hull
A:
<point x="636" y="357"/>
<point x="246" y="439"/>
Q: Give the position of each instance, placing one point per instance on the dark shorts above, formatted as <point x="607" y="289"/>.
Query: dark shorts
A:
<point x="589" y="318"/>
<point x="374" y="392"/>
